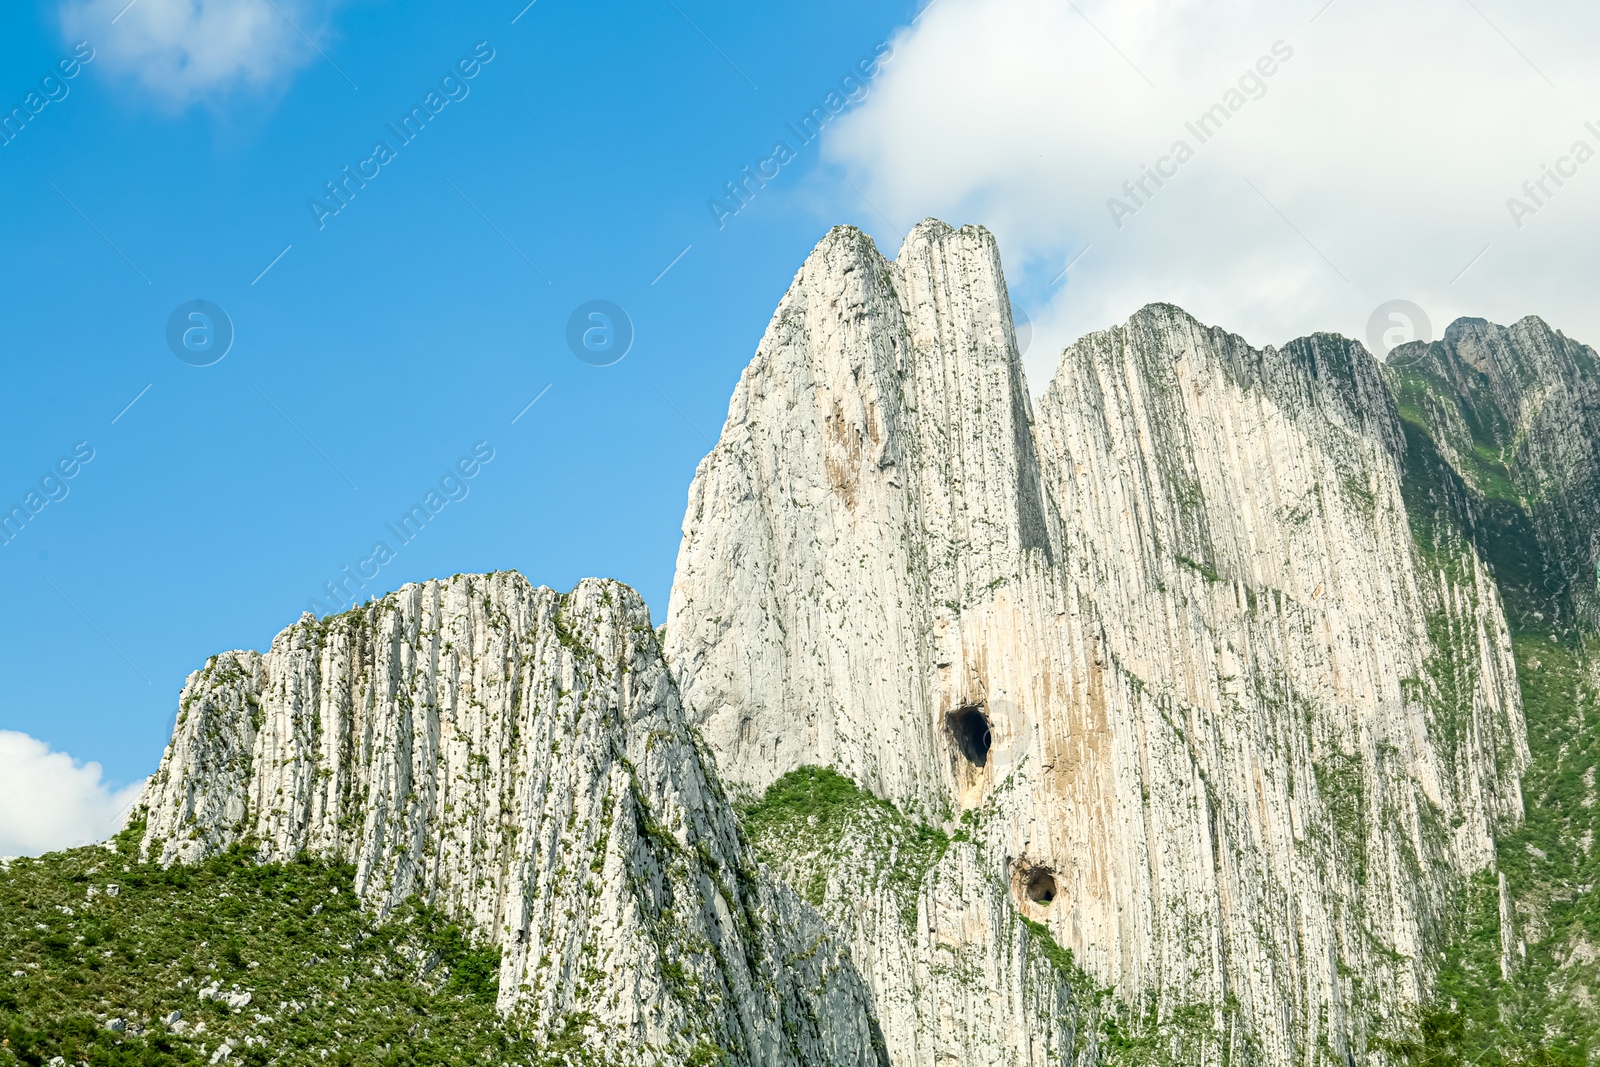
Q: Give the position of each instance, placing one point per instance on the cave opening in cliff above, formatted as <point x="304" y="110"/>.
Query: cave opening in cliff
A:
<point x="970" y="727"/>
<point x="1041" y="886"/>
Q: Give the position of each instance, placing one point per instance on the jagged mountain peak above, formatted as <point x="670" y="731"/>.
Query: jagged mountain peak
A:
<point x="1188" y="574"/>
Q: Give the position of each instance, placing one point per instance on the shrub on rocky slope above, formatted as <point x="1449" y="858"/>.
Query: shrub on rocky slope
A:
<point x="111" y="961"/>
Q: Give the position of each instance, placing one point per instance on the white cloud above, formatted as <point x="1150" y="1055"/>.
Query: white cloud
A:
<point x="1390" y="140"/>
<point x="50" y="801"/>
<point x="189" y="50"/>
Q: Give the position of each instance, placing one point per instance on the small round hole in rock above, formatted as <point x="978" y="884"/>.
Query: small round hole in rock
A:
<point x="970" y="727"/>
<point x="1041" y="886"/>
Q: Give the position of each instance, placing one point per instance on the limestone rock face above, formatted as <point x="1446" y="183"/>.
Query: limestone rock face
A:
<point x="1165" y="717"/>
<point x="1169" y="643"/>
<point x="518" y="758"/>
<point x="957" y="978"/>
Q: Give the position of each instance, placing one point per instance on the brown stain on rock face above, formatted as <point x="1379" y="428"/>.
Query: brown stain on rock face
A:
<point x="1051" y="727"/>
<point x="842" y="444"/>
<point x="1077" y="770"/>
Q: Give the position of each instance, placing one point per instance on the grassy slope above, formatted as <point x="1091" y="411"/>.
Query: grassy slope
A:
<point x="810" y="820"/>
<point x="327" y="983"/>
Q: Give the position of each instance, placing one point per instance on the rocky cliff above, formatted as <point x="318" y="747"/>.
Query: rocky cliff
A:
<point x="1183" y="716"/>
<point x="1514" y="413"/>
<point x="1168" y="646"/>
<point x="518" y="759"/>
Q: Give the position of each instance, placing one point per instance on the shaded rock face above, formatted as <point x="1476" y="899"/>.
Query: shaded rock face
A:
<point x="1515" y="413"/>
<point x="1503" y="434"/>
<point x="518" y="758"/>
<point x="1171" y="640"/>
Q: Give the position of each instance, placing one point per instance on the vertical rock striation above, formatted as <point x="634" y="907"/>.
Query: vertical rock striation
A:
<point x="1170" y="645"/>
<point x="957" y="978"/>
<point x="876" y="472"/>
<point x="518" y="758"/>
<point x="1193" y="683"/>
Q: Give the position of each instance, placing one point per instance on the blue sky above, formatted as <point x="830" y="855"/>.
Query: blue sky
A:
<point x="418" y="321"/>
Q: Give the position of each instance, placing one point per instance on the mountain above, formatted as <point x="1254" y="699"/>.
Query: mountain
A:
<point x="1180" y="604"/>
<point x="1502" y="444"/>
<point x="1228" y="705"/>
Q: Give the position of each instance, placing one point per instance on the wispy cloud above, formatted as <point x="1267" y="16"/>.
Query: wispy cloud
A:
<point x="186" y="51"/>
<point x="50" y="801"/>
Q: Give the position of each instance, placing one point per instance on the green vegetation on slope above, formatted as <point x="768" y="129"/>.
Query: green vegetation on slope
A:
<point x="1420" y="393"/>
<point x="1523" y="993"/>
<point x="93" y="939"/>
<point x="805" y="821"/>
<point x="1183" y="1034"/>
<point x="1543" y="1012"/>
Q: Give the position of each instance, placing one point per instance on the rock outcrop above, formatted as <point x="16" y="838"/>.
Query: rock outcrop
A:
<point x="957" y="979"/>
<point x="1169" y="644"/>
<point x="518" y="758"/>
<point x="1514" y="411"/>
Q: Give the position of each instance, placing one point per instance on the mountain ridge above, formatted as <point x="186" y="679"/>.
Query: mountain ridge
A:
<point x="1178" y="714"/>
